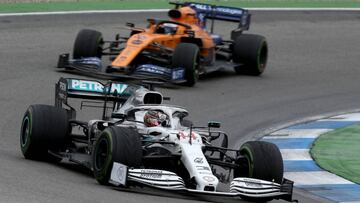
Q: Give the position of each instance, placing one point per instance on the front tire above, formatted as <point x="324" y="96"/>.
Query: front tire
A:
<point x="187" y="56"/>
<point x="43" y="128"/>
<point x="262" y="161"/>
<point x="88" y="43"/>
<point x="115" y="144"/>
<point x="251" y="51"/>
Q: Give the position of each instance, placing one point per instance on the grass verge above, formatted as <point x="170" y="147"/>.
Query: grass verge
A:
<point x="338" y="152"/>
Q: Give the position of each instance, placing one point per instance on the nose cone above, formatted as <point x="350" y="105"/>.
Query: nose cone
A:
<point x="206" y="182"/>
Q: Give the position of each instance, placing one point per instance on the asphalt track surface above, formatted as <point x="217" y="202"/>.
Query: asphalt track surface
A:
<point x="313" y="69"/>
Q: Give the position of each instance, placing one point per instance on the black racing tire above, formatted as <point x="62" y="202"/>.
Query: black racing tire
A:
<point x="88" y="43"/>
<point x="187" y="56"/>
<point x="263" y="161"/>
<point x="43" y="128"/>
<point x="115" y="144"/>
<point x="252" y="52"/>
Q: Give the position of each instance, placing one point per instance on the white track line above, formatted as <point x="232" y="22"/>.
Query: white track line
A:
<point x="346" y="117"/>
<point x="297" y="133"/>
<point x="315" y="178"/>
<point x="295" y="154"/>
<point x="164" y="10"/>
<point x="351" y="202"/>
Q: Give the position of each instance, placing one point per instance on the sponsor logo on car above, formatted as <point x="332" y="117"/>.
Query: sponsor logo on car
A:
<point x="185" y="135"/>
<point x="198" y="160"/>
<point x="153" y="69"/>
<point x="93" y="86"/>
<point x="218" y="9"/>
<point x="89" y="61"/>
<point x="252" y="183"/>
<point x="137" y="42"/>
<point x="202" y="168"/>
<point x="155" y="174"/>
<point x="121" y="173"/>
<point x="209" y="178"/>
<point x="178" y="74"/>
<point x="229" y="11"/>
<point x="205" y="173"/>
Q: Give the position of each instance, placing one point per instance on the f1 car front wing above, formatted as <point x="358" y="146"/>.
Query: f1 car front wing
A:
<point x="91" y="66"/>
<point x="239" y="187"/>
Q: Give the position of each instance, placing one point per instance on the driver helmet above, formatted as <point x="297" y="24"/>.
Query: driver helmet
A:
<point x="154" y="118"/>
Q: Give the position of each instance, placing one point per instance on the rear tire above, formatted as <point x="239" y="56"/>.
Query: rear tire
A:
<point x="43" y="128"/>
<point x="115" y="144"/>
<point x="88" y="43"/>
<point x="186" y="55"/>
<point x="251" y="51"/>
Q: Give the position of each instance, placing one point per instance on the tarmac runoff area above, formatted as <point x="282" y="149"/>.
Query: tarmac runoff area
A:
<point x="295" y="143"/>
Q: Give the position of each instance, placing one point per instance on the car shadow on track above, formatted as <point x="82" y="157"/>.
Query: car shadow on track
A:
<point x="82" y="170"/>
<point x="178" y="194"/>
<point x="217" y="74"/>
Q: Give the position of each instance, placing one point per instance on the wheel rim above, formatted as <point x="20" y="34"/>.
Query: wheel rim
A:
<point x="25" y="132"/>
<point x="101" y="156"/>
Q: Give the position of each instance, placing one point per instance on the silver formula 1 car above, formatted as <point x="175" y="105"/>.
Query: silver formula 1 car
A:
<point x="141" y="141"/>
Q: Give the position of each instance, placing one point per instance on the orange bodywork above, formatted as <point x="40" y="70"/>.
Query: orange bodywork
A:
<point x="149" y="38"/>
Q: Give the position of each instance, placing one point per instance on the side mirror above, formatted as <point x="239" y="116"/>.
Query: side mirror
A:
<point x="214" y="124"/>
<point x="118" y="115"/>
<point x="130" y="24"/>
<point x="117" y="37"/>
<point x="101" y="125"/>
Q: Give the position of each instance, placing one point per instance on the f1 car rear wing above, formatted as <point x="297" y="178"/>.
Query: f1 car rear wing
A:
<point x="116" y="92"/>
<point x="208" y="11"/>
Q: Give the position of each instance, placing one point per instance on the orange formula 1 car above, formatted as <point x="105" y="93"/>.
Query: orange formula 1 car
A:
<point x="177" y="50"/>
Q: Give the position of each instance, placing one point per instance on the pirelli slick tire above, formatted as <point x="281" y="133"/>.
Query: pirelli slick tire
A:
<point x="263" y="161"/>
<point x="251" y="51"/>
<point x="115" y="144"/>
<point x="43" y="128"/>
<point x="187" y="56"/>
<point x="88" y="43"/>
